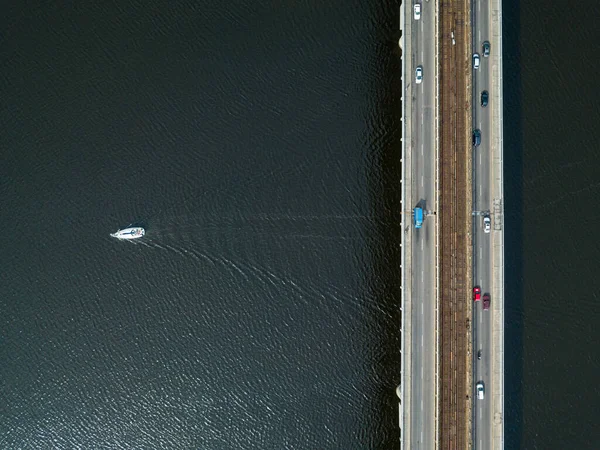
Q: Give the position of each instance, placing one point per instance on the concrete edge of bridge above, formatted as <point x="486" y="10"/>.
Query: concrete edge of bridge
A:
<point x="405" y="258"/>
<point x="498" y="236"/>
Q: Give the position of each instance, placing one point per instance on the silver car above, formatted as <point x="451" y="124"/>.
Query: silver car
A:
<point x="419" y="75"/>
<point x="487" y="224"/>
<point x="476" y="61"/>
<point x="486" y="49"/>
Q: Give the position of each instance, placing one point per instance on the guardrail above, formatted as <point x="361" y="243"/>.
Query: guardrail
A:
<point x="402" y="239"/>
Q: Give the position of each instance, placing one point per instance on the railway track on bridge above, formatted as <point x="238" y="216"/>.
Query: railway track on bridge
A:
<point x="454" y="222"/>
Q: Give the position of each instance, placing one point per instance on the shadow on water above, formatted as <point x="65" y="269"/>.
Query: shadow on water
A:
<point x="384" y="176"/>
<point x="513" y="229"/>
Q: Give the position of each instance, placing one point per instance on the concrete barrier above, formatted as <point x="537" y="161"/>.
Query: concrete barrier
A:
<point x="497" y="431"/>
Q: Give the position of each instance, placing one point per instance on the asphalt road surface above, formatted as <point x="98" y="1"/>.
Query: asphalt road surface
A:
<point x="423" y="276"/>
<point x="482" y="258"/>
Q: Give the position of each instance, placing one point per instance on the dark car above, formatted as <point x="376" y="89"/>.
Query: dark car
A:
<point x="484" y="98"/>
<point x="486" y="49"/>
<point x="476" y="138"/>
<point x="486" y="302"/>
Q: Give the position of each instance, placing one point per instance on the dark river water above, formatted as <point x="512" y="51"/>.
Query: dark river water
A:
<point x="259" y="145"/>
<point x="552" y="174"/>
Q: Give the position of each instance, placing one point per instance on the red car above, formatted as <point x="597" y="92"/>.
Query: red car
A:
<point x="486" y="301"/>
<point x="476" y="293"/>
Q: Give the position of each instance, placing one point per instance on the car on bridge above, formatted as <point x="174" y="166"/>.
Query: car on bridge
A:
<point x="487" y="224"/>
<point x="476" y="138"/>
<point x="486" y="302"/>
<point x="485" y="96"/>
<point x="417" y="11"/>
<point x="419" y="75"/>
<point x="486" y="49"/>
<point x="480" y="390"/>
<point x="476" y="293"/>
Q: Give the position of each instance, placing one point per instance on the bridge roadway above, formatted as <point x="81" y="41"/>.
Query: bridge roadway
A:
<point x="482" y="201"/>
<point x="488" y="247"/>
<point x="424" y="255"/>
<point x="420" y="172"/>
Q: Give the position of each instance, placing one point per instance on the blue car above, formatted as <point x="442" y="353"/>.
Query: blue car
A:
<point x="476" y="138"/>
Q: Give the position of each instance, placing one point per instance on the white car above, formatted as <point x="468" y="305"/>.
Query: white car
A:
<point x="480" y="390"/>
<point x="419" y="75"/>
<point x="487" y="224"/>
<point x="476" y="61"/>
<point x="417" y="11"/>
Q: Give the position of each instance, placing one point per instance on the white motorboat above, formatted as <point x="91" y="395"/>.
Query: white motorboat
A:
<point x="129" y="233"/>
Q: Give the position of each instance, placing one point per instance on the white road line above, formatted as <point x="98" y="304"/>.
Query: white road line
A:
<point x="480" y="252"/>
<point x="422" y="244"/>
<point x="422" y="182"/>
